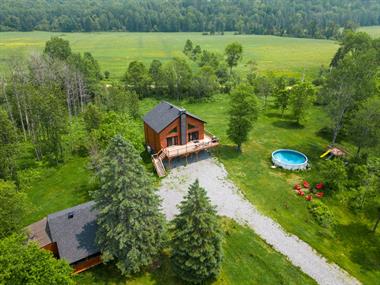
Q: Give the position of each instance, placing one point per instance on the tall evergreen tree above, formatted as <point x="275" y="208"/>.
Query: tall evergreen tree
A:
<point x="130" y="225"/>
<point x="197" y="238"/>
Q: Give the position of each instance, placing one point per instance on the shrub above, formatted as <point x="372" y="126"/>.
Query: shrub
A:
<point x="321" y="213"/>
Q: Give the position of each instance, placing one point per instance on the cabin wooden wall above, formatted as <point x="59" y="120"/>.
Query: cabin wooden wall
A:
<point x="86" y="264"/>
<point x="165" y="133"/>
<point x="199" y="127"/>
<point x="53" y="248"/>
<point x="158" y="141"/>
<point x="152" y="138"/>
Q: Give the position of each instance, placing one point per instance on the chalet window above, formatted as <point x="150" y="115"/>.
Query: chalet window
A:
<point x="193" y="136"/>
<point x="172" y="141"/>
<point x="173" y="131"/>
<point x="190" y="126"/>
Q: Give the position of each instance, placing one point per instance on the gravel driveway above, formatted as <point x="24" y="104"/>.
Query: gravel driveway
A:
<point x="230" y="202"/>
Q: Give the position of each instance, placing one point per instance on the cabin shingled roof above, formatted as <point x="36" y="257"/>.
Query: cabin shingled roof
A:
<point x="75" y="236"/>
<point x="164" y="114"/>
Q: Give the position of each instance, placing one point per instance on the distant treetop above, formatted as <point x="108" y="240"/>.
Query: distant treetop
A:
<point x="300" y="18"/>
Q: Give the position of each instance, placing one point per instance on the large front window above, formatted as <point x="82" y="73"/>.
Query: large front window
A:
<point x="193" y="136"/>
<point x="172" y="141"/>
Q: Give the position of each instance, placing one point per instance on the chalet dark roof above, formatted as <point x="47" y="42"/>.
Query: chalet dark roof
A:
<point x="74" y="231"/>
<point x="163" y="114"/>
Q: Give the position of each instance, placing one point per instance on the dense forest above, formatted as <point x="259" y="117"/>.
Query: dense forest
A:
<point x="300" y="18"/>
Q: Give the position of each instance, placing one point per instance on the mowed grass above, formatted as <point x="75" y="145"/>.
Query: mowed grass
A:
<point x="59" y="188"/>
<point x="247" y="260"/>
<point x="114" y="51"/>
<point x="373" y="31"/>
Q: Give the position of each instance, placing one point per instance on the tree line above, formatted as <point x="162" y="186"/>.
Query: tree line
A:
<point x="315" y="19"/>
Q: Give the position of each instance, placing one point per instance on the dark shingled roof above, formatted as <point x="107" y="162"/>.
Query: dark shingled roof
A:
<point x="75" y="236"/>
<point x="163" y="114"/>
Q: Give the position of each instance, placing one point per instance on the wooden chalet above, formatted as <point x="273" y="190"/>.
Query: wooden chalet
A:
<point x="172" y="132"/>
<point x="69" y="234"/>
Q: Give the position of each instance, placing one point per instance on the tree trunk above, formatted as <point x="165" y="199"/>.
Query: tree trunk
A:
<point x="358" y="150"/>
<point x="10" y="113"/>
<point x="239" y="147"/>
<point x="20" y="114"/>
<point x="377" y="222"/>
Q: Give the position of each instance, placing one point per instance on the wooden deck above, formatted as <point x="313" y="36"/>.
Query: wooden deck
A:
<point x="193" y="147"/>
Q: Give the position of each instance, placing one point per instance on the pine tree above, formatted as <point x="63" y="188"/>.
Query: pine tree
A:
<point x="196" y="242"/>
<point x="130" y="225"/>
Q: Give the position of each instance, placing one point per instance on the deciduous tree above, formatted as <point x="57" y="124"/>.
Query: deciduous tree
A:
<point x="14" y="207"/>
<point x="243" y="113"/>
<point x="8" y="147"/>
<point x="301" y="99"/>
<point x="364" y="130"/>
<point x="23" y="263"/>
<point x="233" y="53"/>
<point x="58" y="48"/>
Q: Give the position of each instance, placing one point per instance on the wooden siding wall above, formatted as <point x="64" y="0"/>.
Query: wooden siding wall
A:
<point x="199" y="127"/>
<point x="158" y="141"/>
<point x="86" y="264"/>
<point x="53" y="248"/>
<point x="152" y="138"/>
<point x="165" y="133"/>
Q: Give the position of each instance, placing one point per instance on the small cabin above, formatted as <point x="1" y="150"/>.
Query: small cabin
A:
<point x="168" y="125"/>
<point x="70" y="235"/>
<point x="171" y="132"/>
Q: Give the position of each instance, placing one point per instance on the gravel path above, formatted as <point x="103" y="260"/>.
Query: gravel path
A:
<point x="230" y="202"/>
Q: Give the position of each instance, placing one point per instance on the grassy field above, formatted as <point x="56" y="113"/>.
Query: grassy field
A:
<point x="114" y="51"/>
<point x="247" y="260"/>
<point x="373" y="31"/>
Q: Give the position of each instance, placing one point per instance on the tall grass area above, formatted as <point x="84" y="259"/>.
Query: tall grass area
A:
<point x="115" y="51"/>
<point x="247" y="260"/>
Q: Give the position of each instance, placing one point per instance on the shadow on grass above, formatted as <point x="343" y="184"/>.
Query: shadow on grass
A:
<point x="291" y="125"/>
<point x="279" y="116"/>
<point x="160" y="273"/>
<point x="365" y="245"/>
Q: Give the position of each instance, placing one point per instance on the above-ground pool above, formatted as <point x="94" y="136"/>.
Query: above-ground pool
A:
<point x="289" y="159"/>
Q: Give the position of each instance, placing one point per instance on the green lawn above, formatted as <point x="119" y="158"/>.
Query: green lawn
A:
<point x="114" y="50"/>
<point x="59" y="188"/>
<point x="247" y="260"/>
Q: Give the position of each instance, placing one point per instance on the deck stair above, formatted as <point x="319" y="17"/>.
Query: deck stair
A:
<point x="158" y="164"/>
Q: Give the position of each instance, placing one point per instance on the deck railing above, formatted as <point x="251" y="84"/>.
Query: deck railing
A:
<point x="191" y="147"/>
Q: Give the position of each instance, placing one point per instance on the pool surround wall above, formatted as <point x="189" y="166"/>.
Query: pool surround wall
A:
<point x="290" y="166"/>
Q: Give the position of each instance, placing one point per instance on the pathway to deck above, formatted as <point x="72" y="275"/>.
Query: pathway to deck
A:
<point x="230" y="202"/>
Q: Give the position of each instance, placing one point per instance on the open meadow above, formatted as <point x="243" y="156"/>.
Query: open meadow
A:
<point x="115" y="51"/>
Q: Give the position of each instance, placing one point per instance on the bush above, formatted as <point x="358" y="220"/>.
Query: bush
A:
<point x="321" y="213"/>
